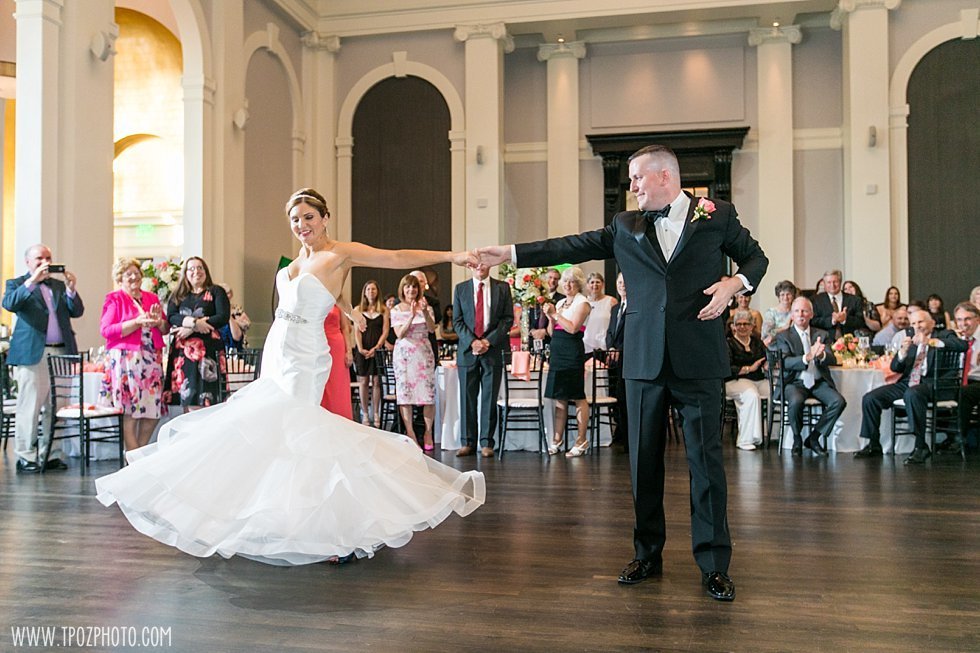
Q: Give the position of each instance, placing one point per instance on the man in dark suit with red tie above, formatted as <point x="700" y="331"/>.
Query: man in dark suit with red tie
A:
<point x="806" y="373"/>
<point x="672" y="253"/>
<point x="483" y="313"/>
<point x="835" y="311"/>
<point x="916" y="362"/>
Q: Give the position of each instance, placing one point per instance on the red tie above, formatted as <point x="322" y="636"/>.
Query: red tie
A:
<point x="479" y="311"/>
<point x="969" y="360"/>
<point x="916" y="377"/>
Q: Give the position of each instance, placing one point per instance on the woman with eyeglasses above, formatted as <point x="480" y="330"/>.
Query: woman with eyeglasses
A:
<point x="747" y="385"/>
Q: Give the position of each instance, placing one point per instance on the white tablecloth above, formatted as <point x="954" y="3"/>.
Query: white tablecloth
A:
<point x="853" y="383"/>
<point x="448" y="422"/>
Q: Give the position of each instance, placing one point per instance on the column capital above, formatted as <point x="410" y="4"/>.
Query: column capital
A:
<point x="314" y="40"/>
<point x="573" y="50"/>
<point x="784" y="34"/>
<point x="845" y="7"/>
<point x="496" y="31"/>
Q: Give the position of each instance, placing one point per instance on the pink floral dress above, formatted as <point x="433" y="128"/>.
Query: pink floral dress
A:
<point x="133" y="379"/>
<point x="412" y="359"/>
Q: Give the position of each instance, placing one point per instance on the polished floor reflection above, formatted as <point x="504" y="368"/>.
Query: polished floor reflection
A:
<point x="830" y="555"/>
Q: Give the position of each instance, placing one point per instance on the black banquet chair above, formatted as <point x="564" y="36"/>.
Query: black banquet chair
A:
<point x="521" y="408"/>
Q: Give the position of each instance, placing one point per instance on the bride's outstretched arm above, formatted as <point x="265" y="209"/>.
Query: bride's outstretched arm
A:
<point x="402" y="259"/>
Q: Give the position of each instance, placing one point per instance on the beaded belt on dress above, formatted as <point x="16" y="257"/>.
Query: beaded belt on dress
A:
<point x="290" y="317"/>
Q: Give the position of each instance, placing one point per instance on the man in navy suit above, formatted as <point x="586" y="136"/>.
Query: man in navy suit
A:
<point x="483" y="314"/>
<point x="916" y="363"/>
<point x="806" y="373"/>
<point x="44" y="307"/>
<point x="672" y="253"/>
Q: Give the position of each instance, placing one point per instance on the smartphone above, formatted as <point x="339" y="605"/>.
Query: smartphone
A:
<point x="56" y="268"/>
<point x="910" y="331"/>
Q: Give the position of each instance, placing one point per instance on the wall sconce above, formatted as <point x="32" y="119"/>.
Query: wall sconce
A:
<point x="102" y="44"/>
<point x="872" y="136"/>
<point x="479" y="155"/>
<point x="240" y="118"/>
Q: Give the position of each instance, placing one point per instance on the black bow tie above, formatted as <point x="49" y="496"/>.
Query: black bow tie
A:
<point x="653" y="216"/>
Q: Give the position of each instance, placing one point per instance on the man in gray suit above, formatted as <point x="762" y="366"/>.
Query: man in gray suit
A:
<point x="44" y="307"/>
<point x="483" y="313"/>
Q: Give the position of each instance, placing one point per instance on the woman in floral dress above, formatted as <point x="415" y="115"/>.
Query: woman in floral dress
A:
<point x="196" y="312"/>
<point x="412" y="321"/>
<point x="133" y="326"/>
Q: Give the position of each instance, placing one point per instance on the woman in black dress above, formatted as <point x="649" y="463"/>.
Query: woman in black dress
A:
<point x="196" y="311"/>
<point x="368" y="342"/>
<point x="566" y="374"/>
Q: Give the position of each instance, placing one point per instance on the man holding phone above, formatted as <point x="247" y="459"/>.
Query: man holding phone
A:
<point x="44" y="307"/>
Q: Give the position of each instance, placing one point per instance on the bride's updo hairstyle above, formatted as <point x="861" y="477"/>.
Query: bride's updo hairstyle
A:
<point x="311" y="197"/>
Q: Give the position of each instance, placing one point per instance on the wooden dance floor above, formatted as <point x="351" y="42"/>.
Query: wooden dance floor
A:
<point x="829" y="555"/>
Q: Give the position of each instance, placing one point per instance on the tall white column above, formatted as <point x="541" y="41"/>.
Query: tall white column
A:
<point x="226" y="223"/>
<point x="485" y="48"/>
<point x="320" y="95"/>
<point x="867" y="190"/>
<point x="64" y="132"/>
<point x="563" y="135"/>
<point x="775" y="130"/>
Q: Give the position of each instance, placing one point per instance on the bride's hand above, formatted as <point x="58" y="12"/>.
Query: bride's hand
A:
<point x="493" y="255"/>
<point x="467" y="259"/>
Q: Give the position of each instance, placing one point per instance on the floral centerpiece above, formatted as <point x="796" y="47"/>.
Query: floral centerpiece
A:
<point x="848" y="350"/>
<point x="528" y="289"/>
<point x="161" y="277"/>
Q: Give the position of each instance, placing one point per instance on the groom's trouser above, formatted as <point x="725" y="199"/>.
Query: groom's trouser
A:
<point x="700" y="406"/>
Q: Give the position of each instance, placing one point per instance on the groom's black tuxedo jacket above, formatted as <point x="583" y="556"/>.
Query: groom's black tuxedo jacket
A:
<point x="665" y="297"/>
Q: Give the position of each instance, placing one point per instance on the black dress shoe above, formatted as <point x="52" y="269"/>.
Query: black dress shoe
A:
<point x="949" y="445"/>
<point x="870" y="451"/>
<point x="27" y="467"/>
<point x="718" y="585"/>
<point x="813" y="444"/>
<point x="797" y="450"/>
<point x="55" y="463"/>
<point x="641" y="570"/>
<point x="918" y="456"/>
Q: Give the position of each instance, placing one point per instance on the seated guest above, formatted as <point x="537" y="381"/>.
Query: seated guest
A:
<point x="777" y="318"/>
<point x="566" y="373"/>
<point x="614" y="358"/>
<point x="834" y="311"/>
<point x="742" y="303"/>
<point x="869" y="312"/>
<point x="968" y="327"/>
<point x="233" y="333"/>
<point x="893" y="299"/>
<point x="133" y="327"/>
<point x="915" y="361"/>
<point x="602" y="305"/>
<point x="445" y="331"/>
<point x="897" y="325"/>
<point x="938" y="312"/>
<point x="747" y="385"/>
<point x="807" y="374"/>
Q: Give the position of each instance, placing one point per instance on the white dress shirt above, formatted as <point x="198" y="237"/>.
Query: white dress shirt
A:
<point x="486" y="300"/>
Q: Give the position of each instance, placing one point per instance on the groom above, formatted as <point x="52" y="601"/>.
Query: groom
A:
<point x="672" y="253"/>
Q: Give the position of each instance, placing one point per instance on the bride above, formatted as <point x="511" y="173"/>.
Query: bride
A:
<point x="272" y="476"/>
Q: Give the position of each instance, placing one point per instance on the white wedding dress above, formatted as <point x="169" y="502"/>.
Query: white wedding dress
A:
<point x="272" y="476"/>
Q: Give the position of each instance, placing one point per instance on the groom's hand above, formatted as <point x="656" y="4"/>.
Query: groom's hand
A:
<point x="494" y="254"/>
<point x="721" y="293"/>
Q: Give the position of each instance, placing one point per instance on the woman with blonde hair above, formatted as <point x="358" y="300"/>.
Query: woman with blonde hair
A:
<point x="133" y="326"/>
<point x="566" y="374"/>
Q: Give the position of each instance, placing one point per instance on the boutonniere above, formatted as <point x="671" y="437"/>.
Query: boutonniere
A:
<point x="934" y="342"/>
<point x="703" y="210"/>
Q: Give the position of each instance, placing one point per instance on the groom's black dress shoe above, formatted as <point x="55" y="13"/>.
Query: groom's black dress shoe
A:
<point x="813" y="444"/>
<point x="718" y="585"/>
<point x="27" y="466"/>
<point x="870" y="451"/>
<point x="639" y="570"/>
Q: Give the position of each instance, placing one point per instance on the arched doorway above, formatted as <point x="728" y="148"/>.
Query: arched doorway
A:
<point x="401" y="176"/>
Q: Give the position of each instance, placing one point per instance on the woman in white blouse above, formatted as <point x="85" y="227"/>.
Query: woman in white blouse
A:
<point x="602" y="306"/>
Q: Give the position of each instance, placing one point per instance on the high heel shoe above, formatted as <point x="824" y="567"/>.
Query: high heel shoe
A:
<point x="577" y="450"/>
<point x="553" y="448"/>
